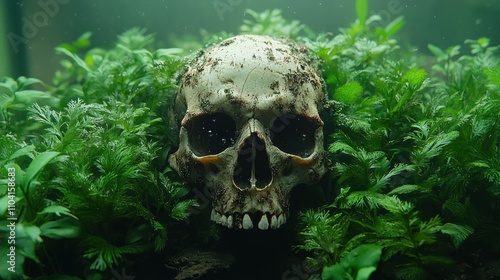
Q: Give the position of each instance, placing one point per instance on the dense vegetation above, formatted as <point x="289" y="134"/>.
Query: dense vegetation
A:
<point x="413" y="190"/>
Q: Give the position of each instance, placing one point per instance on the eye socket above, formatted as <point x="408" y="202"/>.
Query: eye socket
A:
<point x="211" y="133"/>
<point x="294" y="134"/>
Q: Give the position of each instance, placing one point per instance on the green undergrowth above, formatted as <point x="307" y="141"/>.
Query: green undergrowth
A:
<point x="413" y="143"/>
<point x="89" y="153"/>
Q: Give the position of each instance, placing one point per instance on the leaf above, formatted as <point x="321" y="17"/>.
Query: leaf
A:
<point x="440" y="54"/>
<point x="415" y="76"/>
<point x="32" y="232"/>
<point x="58" y="210"/>
<point x="458" y="233"/>
<point x="483" y="42"/>
<point x="37" y="164"/>
<point x="83" y="41"/>
<point x="27" y="96"/>
<point x="334" y="272"/>
<point x="362" y="10"/>
<point x="433" y="147"/>
<point x="75" y="58"/>
<point x="24" y="82"/>
<point x="62" y="228"/>
<point x="360" y="262"/>
<point x="348" y="93"/>
<point x="365" y="272"/>
<point x="167" y="52"/>
<point x="404" y="189"/>
<point x="394" y="26"/>
<point x="366" y="255"/>
<point x="22" y="152"/>
<point x="180" y="211"/>
<point x="341" y="146"/>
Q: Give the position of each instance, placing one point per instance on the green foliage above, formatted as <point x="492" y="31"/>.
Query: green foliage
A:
<point x="107" y="185"/>
<point x="359" y="264"/>
<point x="362" y="10"/>
<point x="348" y="93"/>
<point x="414" y="152"/>
<point x="36" y="217"/>
<point x="15" y="97"/>
<point x="271" y="23"/>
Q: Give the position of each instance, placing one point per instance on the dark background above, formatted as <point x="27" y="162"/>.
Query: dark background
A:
<point x="440" y="22"/>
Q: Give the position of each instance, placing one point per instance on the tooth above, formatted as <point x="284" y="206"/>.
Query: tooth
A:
<point x="264" y="223"/>
<point x="230" y="221"/>
<point x="212" y="215"/>
<point x="216" y="218"/>
<point x="223" y="220"/>
<point x="281" y="219"/>
<point x="247" y="222"/>
<point x="274" y="222"/>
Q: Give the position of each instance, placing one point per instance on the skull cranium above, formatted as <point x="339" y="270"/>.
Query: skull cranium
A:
<point x="250" y="127"/>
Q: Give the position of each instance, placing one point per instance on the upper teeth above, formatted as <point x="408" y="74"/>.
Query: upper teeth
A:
<point x="247" y="222"/>
<point x="235" y="220"/>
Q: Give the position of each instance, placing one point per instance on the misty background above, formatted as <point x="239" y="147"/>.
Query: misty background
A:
<point x="30" y="30"/>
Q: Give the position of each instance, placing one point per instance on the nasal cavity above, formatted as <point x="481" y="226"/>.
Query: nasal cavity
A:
<point x="252" y="167"/>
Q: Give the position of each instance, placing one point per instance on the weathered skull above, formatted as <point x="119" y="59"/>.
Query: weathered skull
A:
<point x="250" y="128"/>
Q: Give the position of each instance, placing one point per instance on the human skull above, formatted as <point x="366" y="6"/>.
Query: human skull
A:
<point x="250" y="128"/>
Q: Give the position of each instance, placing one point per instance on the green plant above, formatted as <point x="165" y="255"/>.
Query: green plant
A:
<point x="359" y="264"/>
<point x="15" y="97"/>
<point x="415" y="153"/>
<point x="28" y="215"/>
<point x="271" y="23"/>
<point x="414" y="181"/>
<point x="107" y="143"/>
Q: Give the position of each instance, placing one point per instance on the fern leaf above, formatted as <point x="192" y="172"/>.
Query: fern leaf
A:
<point x="458" y="233"/>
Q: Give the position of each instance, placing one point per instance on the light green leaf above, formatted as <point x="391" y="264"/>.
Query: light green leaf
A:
<point x="58" y="229"/>
<point x="415" y="76"/>
<point x="75" y="58"/>
<point x="404" y="189"/>
<point x="37" y="164"/>
<point x="365" y="272"/>
<point x="167" y="52"/>
<point x="366" y="255"/>
<point x="26" y="96"/>
<point x="483" y="42"/>
<point x="362" y="10"/>
<point x="83" y="41"/>
<point x="24" y="82"/>
<point x="31" y="232"/>
<point x="440" y="54"/>
<point x="334" y="272"/>
<point x="22" y="152"/>
<point x="348" y="93"/>
<point x="58" y="210"/>
<point x="394" y="26"/>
